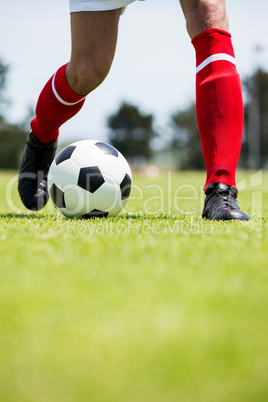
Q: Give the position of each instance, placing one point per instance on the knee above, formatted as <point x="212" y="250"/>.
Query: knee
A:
<point x="205" y="15"/>
<point x="86" y="74"/>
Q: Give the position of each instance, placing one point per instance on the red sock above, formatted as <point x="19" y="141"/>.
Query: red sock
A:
<point x="56" y="104"/>
<point x="219" y="105"/>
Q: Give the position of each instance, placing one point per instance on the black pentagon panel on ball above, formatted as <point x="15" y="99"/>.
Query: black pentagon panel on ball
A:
<point x="107" y="149"/>
<point x="95" y="213"/>
<point x="125" y="187"/>
<point x="90" y="178"/>
<point x="65" y="154"/>
<point x="57" y="196"/>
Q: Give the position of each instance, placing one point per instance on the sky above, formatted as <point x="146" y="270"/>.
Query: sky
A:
<point x="154" y="65"/>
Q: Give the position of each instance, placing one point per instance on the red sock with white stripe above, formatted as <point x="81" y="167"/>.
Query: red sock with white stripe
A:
<point x="219" y="105"/>
<point x="56" y="104"/>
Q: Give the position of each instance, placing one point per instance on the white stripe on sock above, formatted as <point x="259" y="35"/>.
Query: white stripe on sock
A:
<point x="215" y="57"/>
<point x="58" y="96"/>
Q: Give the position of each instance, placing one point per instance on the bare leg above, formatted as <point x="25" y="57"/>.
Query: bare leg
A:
<point x="204" y="14"/>
<point x="94" y="37"/>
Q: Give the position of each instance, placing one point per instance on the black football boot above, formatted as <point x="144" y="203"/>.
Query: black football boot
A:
<point x="36" y="160"/>
<point x="220" y="203"/>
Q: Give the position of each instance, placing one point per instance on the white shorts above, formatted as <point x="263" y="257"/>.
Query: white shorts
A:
<point x="97" y="5"/>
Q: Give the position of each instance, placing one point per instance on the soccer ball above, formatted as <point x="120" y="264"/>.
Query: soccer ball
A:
<point x="89" y="179"/>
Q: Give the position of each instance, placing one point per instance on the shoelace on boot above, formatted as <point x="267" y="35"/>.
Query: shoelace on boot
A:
<point x="227" y="196"/>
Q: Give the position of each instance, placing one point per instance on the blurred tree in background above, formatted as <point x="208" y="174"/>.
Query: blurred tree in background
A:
<point x="255" y="144"/>
<point x="3" y="80"/>
<point x="12" y="141"/>
<point x="12" y="137"/>
<point x="185" y="142"/>
<point x="131" y="132"/>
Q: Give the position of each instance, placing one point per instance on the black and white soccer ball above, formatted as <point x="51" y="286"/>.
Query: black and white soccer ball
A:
<point x="89" y="179"/>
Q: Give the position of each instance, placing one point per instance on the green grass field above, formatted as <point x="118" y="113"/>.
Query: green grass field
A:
<point x="153" y="305"/>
